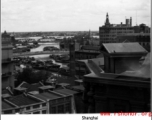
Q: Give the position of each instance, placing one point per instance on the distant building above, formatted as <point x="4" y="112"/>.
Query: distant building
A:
<point x="142" y="28"/>
<point x="87" y="52"/>
<point x="109" y="32"/>
<point x="142" y="38"/>
<point x="7" y="63"/>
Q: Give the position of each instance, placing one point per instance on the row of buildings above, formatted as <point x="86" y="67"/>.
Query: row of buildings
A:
<point x="115" y="33"/>
<point x="38" y="98"/>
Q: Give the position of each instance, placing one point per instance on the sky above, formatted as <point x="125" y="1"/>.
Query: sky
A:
<point x="70" y="15"/>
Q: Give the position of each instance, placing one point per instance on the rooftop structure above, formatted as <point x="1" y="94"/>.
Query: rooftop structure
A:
<point x="125" y="85"/>
<point x="119" y="57"/>
<point x="22" y="100"/>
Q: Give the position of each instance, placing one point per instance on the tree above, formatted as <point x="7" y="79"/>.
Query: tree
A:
<point x="30" y="76"/>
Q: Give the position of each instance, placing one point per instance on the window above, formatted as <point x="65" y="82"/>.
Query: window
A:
<point x="44" y="105"/>
<point x="61" y="109"/>
<point x="68" y="108"/>
<point x="17" y="110"/>
<point x="38" y="112"/>
<point x="28" y="108"/>
<point x="8" y="112"/>
<point x="36" y="106"/>
<point x="43" y="111"/>
<point x="53" y="110"/>
<point x="60" y="100"/>
<point x="67" y="98"/>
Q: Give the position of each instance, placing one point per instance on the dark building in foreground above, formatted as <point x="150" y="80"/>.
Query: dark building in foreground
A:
<point x="121" y="88"/>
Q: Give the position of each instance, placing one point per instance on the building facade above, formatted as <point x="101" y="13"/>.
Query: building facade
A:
<point x="7" y="63"/>
<point x="109" y="32"/>
<point x="125" y="85"/>
<point x="142" y="38"/>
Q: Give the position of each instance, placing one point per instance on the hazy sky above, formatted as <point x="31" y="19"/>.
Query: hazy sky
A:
<point x="70" y="15"/>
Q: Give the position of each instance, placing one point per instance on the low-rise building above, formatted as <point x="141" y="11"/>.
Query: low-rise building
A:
<point x="58" y="101"/>
<point x="24" y="104"/>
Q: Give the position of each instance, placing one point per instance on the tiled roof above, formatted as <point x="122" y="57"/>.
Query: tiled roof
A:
<point x="5" y="105"/>
<point x="47" y="96"/>
<point x="5" y="91"/>
<point x="113" y="48"/>
<point x="21" y="100"/>
<point x="66" y="91"/>
<point x="30" y="87"/>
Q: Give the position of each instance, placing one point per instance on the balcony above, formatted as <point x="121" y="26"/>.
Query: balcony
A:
<point x="8" y="60"/>
<point x="4" y="75"/>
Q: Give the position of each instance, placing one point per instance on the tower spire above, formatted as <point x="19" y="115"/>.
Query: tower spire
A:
<point x="107" y="20"/>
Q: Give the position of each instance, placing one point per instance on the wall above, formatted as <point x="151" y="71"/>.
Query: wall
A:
<point x="106" y="96"/>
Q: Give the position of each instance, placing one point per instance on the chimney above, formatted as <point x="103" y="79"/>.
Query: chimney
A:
<point x="127" y="22"/>
<point x="121" y="23"/>
<point x="130" y="21"/>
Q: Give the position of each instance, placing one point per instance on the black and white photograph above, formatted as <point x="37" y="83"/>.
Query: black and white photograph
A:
<point x="75" y="57"/>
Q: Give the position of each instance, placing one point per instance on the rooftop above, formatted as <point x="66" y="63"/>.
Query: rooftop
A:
<point x="90" y="47"/>
<point x="113" y="48"/>
<point x="63" y="84"/>
<point x="143" y="71"/>
<point x="46" y="87"/>
<point x="93" y="64"/>
<point x="80" y="81"/>
<point x="21" y="100"/>
<point x="78" y="87"/>
<point x="30" y="87"/>
<point x="48" y="96"/>
<point x="66" y="91"/>
<point x="5" y="105"/>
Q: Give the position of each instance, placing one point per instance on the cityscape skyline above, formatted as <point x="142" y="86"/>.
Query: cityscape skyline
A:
<point x="70" y="15"/>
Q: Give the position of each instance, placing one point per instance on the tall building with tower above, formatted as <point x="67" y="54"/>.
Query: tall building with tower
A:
<point x="108" y="32"/>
